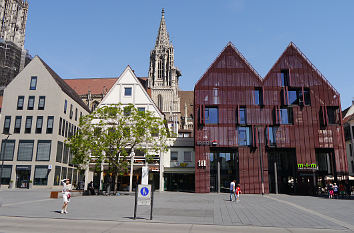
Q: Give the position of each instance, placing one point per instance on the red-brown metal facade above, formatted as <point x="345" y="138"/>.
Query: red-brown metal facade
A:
<point x="235" y="81"/>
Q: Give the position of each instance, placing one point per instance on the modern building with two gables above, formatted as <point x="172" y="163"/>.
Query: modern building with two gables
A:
<point x="281" y="132"/>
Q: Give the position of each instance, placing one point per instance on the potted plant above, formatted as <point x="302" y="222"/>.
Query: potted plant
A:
<point x="30" y="184"/>
<point x="11" y="186"/>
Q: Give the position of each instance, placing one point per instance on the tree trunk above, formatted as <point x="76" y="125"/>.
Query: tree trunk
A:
<point x="116" y="183"/>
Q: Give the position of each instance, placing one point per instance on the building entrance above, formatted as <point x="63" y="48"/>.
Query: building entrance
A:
<point x="282" y="168"/>
<point x="23" y="174"/>
<point x="223" y="169"/>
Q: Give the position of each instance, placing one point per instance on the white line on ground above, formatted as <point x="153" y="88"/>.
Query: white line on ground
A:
<point x="336" y="221"/>
<point x="25" y="202"/>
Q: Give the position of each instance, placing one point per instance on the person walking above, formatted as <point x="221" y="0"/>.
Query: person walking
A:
<point x="238" y="192"/>
<point x="232" y="189"/>
<point x="67" y="187"/>
<point x="330" y="191"/>
<point x="335" y="190"/>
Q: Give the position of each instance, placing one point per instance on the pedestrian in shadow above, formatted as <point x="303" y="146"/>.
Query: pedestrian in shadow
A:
<point x="232" y="189"/>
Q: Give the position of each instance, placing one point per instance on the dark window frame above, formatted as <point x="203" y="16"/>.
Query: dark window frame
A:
<point x="33" y="83"/>
<point x="4" y="156"/>
<point x="65" y="106"/>
<point x="50" y="129"/>
<point x="22" y="98"/>
<point x="285" y="77"/>
<point x="6" y="129"/>
<point x="208" y="113"/>
<point x="31" y="106"/>
<point x="18" y="149"/>
<point x="40" y="181"/>
<point x="28" y="129"/>
<point x="50" y="149"/>
<point x="128" y="93"/>
<point x="39" y="129"/>
<point x="40" y="107"/>
<point x="17" y="128"/>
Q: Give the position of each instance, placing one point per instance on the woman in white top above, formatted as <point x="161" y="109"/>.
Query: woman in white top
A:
<point x="66" y="194"/>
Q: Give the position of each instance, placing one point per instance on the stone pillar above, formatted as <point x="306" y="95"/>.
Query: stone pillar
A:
<point x="101" y="178"/>
<point x="87" y="169"/>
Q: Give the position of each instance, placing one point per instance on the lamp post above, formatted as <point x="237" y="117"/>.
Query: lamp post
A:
<point x="2" y="158"/>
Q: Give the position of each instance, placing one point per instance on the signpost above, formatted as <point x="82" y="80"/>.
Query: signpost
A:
<point x="144" y="196"/>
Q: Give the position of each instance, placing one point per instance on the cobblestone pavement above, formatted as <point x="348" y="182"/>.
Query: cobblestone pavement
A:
<point x="279" y="211"/>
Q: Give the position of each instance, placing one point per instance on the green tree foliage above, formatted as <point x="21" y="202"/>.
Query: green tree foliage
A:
<point x="109" y="135"/>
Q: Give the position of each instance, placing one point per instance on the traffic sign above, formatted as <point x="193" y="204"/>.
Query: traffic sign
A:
<point x="144" y="196"/>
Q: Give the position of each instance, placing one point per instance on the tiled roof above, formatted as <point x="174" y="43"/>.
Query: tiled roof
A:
<point x="96" y="86"/>
<point x="188" y="98"/>
<point x="65" y="87"/>
<point x="1" y="97"/>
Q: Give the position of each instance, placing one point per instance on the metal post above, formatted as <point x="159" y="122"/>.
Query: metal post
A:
<point x="152" y="201"/>
<point x="136" y="202"/>
<point x="276" y="177"/>
<point x="218" y="175"/>
<point x="131" y="174"/>
<point x="261" y="160"/>
<point x="2" y="158"/>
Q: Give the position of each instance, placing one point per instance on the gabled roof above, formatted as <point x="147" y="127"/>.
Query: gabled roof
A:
<point x="293" y="46"/>
<point x="65" y="87"/>
<point x="230" y="45"/>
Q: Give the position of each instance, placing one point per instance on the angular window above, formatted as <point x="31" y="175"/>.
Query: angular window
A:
<point x="258" y="96"/>
<point x="6" y="174"/>
<point x="243" y="116"/>
<point x="244" y="136"/>
<point x="271" y="136"/>
<point x="64" y="171"/>
<point x="333" y="115"/>
<point x="33" y="85"/>
<point x="41" y="103"/>
<point x="7" y="124"/>
<point x="8" y="152"/>
<point x="211" y="115"/>
<point x="30" y="105"/>
<point x="60" y="121"/>
<point x="293" y="97"/>
<point x="28" y="125"/>
<point x="25" y="150"/>
<point x="75" y="114"/>
<point x="20" y="102"/>
<point x="127" y="91"/>
<point x="174" y="156"/>
<point x="18" y="121"/>
<point x="284" y="78"/>
<point x="39" y="124"/>
<point x="141" y="109"/>
<point x="187" y="156"/>
<point x="286" y="116"/>
<point x="63" y="129"/>
<point x="59" y="156"/>
<point x="50" y="124"/>
<point x="43" y="150"/>
<point x="41" y="175"/>
<point x="57" y="174"/>
<point x="71" y="111"/>
<point x="65" y="106"/>
<point x="66" y="154"/>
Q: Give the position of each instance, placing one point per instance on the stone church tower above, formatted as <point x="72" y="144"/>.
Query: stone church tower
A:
<point x="163" y="76"/>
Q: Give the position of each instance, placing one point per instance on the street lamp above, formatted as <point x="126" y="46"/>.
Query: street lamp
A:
<point x="2" y="157"/>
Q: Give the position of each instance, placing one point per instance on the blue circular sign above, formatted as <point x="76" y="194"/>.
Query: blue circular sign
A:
<point x="144" y="191"/>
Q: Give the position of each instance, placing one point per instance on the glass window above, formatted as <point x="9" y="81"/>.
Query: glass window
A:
<point x="75" y="114"/>
<point x="6" y="174"/>
<point x="244" y="137"/>
<point x="304" y="96"/>
<point x="66" y="154"/>
<point x="141" y="109"/>
<point x="333" y="115"/>
<point x="60" y="120"/>
<point x="284" y="78"/>
<point x="187" y="156"/>
<point x="70" y="174"/>
<point x="50" y="124"/>
<point x="65" y="106"/>
<point x="41" y="103"/>
<point x="272" y="135"/>
<point x="39" y="124"/>
<point x="33" y="85"/>
<point x="7" y="124"/>
<point x="71" y="111"/>
<point x="293" y="97"/>
<point x="127" y="91"/>
<point x="350" y="150"/>
<point x="258" y="97"/>
<point x="59" y="156"/>
<point x="30" y="105"/>
<point x="8" y="152"/>
<point x="57" y="175"/>
<point x="174" y="156"/>
<point x="211" y="115"/>
<point x="20" y="102"/>
<point x="28" y="125"/>
<point x="41" y="175"/>
<point x="63" y="129"/>
<point x="243" y="116"/>
<point x="286" y="116"/>
<point x="64" y="171"/>
<point x="18" y="121"/>
<point x="43" y="150"/>
<point x="25" y="150"/>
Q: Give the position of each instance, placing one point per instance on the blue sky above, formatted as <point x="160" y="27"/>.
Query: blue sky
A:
<point x="80" y="38"/>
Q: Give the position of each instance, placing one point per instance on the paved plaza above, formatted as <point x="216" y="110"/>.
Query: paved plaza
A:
<point x="183" y="212"/>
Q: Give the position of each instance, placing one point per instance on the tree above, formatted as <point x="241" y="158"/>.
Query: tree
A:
<point x="111" y="133"/>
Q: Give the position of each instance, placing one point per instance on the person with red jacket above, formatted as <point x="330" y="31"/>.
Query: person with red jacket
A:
<point x="238" y="191"/>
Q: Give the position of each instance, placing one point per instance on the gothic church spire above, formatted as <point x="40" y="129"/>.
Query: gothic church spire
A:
<point x="163" y="38"/>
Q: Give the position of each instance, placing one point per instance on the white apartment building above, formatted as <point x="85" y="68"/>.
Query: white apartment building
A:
<point x="40" y="111"/>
